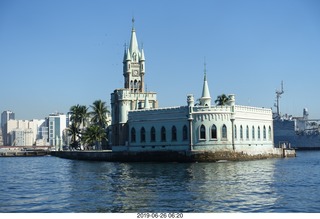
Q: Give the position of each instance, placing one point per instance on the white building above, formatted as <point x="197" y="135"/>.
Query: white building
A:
<point x="5" y="117"/>
<point x="139" y="125"/>
<point x="57" y="125"/>
<point x="24" y="132"/>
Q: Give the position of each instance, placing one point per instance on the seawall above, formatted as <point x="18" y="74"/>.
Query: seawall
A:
<point x="168" y="156"/>
<point x="24" y="153"/>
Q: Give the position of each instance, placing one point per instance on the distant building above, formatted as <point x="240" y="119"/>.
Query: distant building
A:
<point x="57" y="124"/>
<point x="5" y="117"/>
<point x="26" y="132"/>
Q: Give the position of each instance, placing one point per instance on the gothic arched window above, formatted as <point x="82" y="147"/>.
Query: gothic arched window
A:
<point x="142" y="135"/>
<point x="241" y="132"/>
<point x="202" y="132"/>
<point x="235" y="132"/>
<point x="213" y="132"/>
<point x="253" y="134"/>
<point x="153" y="134"/>
<point x="270" y="133"/>
<point x="259" y="136"/>
<point x="133" y="135"/>
<point x="264" y="132"/>
<point x="163" y="134"/>
<point x="185" y="133"/>
<point x="224" y="132"/>
<point x="173" y="133"/>
<point x="247" y="132"/>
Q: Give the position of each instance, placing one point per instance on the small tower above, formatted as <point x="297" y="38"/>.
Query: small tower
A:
<point x="205" y="99"/>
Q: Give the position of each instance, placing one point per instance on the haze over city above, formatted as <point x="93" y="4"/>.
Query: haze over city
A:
<point x="55" y="54"/>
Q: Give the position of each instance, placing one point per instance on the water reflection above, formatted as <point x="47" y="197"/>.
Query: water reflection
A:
<point x="51" y="184"/>
<point x="173" y="187"/>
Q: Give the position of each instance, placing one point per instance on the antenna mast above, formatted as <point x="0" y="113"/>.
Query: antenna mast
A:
<point x="279" y="93"/>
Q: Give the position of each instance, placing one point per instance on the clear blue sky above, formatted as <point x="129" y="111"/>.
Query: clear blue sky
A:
<point x="58" y="53"/>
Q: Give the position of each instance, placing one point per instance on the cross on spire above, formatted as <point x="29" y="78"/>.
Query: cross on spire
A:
<point x="132" y="22"/>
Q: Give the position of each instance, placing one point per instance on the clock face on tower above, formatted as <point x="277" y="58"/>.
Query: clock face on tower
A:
<point x="135" y="73"/>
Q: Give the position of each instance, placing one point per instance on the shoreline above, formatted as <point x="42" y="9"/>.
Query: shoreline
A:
<point x="168" y="156"/>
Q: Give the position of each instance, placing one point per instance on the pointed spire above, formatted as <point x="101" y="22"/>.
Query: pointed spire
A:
<point x="125" y="53"/>
<point x="134" y="48"/>
<point x="205" y="100"/>
<point x="132" y="22"/>
<point x="128" y="55"/>
<point x="146" y="100"/>
<point x="142" y="56"/>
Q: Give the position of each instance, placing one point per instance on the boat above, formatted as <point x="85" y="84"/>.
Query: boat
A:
<point x="296" y="132"/>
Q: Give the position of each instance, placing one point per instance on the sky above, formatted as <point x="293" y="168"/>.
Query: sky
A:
<point x="58" y="53"/>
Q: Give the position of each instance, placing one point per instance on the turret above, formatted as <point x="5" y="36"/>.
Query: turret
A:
<point x="146" y="102"/>
<point x="142" y="61"/>
<point x="205" y="99"/>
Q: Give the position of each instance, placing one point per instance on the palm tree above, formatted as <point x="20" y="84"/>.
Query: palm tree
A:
<point x="93" y="135"/>
<point x="74" y="132"/>
<point x="79" y="118"/>
<point x="99" y="113"/>
<point x="222" y="100"/>
<point x="99" y="118"/>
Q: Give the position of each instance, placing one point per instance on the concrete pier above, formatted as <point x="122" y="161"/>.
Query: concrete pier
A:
<point x="24" y="153"/>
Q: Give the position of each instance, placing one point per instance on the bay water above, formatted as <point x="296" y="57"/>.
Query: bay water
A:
<point x="56" y="185"/>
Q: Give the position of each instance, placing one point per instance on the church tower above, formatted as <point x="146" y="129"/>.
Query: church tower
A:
<point x="134" y="64"/>
<point x="133" y="95"/>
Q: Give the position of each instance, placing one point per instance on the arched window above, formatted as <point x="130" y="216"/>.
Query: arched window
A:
<point x="153" y="134"/>
<point x="185" y="133"/>
<point x="241" y="132"/>
<point x="235" y="132"/>
<point x="214" y="132"/>
<point x="135" y="84"/>
<point x="259" y="136"/>
<point x="202" y="132"/>
<point x="253" y="134"/>
<point x="270" y="133"/>
<point x="264" y="133"/>
<point x="142" y="135"/>
<point x="173" y="133"/>
<point x="163" y="134"/>
<point x="224" y="132"/>
<point x="247" y="132"/>
<point x="133" y="135"/>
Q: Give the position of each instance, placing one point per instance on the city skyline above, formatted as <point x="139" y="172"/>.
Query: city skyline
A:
<point x="55" y="54"/>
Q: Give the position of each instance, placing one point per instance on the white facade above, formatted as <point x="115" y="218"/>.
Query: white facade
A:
<point x="134" y="95"/>
<point x="23" y="132"/>
<point x="193" y="127"/>
<point x="57" y="125"/>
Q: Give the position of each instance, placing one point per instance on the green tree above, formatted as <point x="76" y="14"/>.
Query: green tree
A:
<point x="74" y="132"/>
<point x="222" y="100"/>
<point x="79" y="115"/>
<point x="99" y="117"/>
<point x="79" y="118"/>
<point x="99" y="113"/>
<point x="93" y="136"/>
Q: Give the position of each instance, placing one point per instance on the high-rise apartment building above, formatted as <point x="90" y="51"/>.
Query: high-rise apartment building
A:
<point x="57" y="124"/>
<point x="5" y="117"/>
